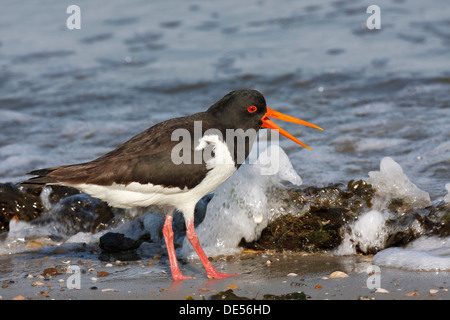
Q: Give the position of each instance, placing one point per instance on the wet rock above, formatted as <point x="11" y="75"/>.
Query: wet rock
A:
<point x="59" y="193"/>
<point x="317" y="217"/>
<point x="16" y="201"/>
<point x="116" y="246"/>
<point x="72" y="210"/>
<point x="116" y="242"/>
<point x="288" y="296"/>
<point x="437" y="222"/>
<point x="306" y="233"/>
<point x="408" y="224"/>
<point x="77" y="213"/>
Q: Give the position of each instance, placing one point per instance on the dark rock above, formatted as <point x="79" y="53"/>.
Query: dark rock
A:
<point x="116" y="246"/>
<point x="288" y="296"/>
<point x="306" y="233"/>
<point x="230" y="295"/>
<point x="61" y="192"/>
<point x="317" y="217"/>
<point x="437" y="222"/>
<point x="16" y="201"/>
<point x="72" y="210"/>
<point x="116" y="242"/>
<point x="409" y="224"/>
<point x="77" y="213"/>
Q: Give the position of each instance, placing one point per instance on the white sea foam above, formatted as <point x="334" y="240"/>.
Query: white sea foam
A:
<point x="368" y="232"/>
<point x="391" y="182"/>
<point x="423" y="254"/>
<point x="21" y="233"/>
<point x="85" y="237"/>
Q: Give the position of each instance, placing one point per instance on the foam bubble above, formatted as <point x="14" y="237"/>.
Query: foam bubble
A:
<point x="391" y="182"/>
<point x="368" y="232"/>
<point x="423" y="254"/>
<point x="85" y="237"/>
<point x="21" y="233"/>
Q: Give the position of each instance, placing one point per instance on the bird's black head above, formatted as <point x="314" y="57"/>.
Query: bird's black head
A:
<point x="247" y="109"/>
<point x="240" y="109"/>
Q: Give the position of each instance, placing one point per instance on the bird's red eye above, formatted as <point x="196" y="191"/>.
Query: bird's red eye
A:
<point x="252" y="109"/>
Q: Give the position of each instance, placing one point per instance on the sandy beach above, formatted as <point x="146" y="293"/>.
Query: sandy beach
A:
<point x="36" y="277"/>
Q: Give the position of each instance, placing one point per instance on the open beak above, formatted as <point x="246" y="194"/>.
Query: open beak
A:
<point x="267" y="123"/>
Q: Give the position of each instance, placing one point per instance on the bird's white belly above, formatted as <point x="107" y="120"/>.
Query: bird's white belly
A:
<point x="135" y="194"/>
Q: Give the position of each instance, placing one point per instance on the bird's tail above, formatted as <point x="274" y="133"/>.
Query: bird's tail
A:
<point x="41" y="179"/>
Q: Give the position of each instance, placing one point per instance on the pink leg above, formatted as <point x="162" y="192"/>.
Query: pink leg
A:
<point x="211" y="272"/>
<point x="168" y="237"/>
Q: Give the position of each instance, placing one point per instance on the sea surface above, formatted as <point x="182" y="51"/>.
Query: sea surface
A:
<point x="69" y="96"/>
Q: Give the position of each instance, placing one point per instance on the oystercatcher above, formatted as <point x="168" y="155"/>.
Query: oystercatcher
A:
<point x="142" y="171"/>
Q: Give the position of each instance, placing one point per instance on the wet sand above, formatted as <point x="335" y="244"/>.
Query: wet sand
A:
<point x="21" y="276"/>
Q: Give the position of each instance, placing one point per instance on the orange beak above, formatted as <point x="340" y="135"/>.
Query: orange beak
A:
<point x="267" y="123"/>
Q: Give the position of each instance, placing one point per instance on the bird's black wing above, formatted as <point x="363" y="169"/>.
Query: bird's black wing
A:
<point x="145" y="158"/>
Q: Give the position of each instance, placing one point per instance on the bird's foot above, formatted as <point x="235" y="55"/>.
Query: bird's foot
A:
<point x="179" y="276"/>
<point x="214" y="274"/>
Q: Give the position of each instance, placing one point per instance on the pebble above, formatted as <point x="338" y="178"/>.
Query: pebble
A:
<point x="433" y="291"/>
<point x="109" y="290"/>
<point x="338" y="275"/>
<point x="102" y="274"/>
<point x="50" y="272"/>
<point x="292" y="274"/>
<point x="37" y="283"/>
<point x="108" y="265"/>
<point x="232" y="287"/>
<point x="381" y="290"/>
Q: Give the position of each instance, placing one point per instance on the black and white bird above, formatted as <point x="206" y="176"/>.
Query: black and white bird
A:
<point x="142" y="171"/>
